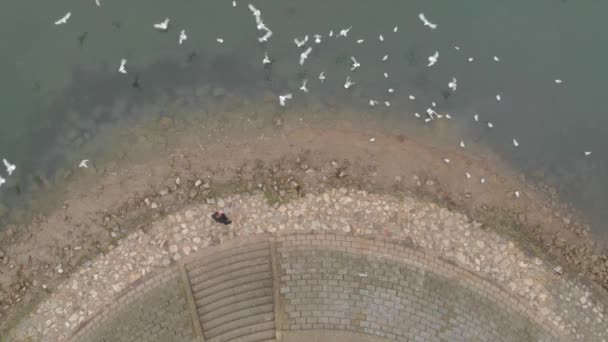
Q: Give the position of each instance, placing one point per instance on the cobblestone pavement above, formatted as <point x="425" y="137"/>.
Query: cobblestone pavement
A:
<point x="570" y="307"/>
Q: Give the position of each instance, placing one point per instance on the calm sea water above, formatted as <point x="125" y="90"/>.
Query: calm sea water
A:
<point x="60" y="83"/>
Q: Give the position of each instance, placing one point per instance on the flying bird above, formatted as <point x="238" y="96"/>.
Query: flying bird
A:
<point x="384" y="58"/>
<point x="344" y="32"/>
<point x="452" y="85"/>
<point x="355" y="64"/>
<point x="476" y="117"/>
<point x="220" y="40"/>
<point x="10" y="168"/>
<point x="182" y="37"/>
<point x="395" y="29"/>
<point x="303" y="86"/>
<point x="83" y="164"/>
<point x="64" y="19"/>
<point x="121" y="68"/>
<point x="433" y="59"/>
<point x="515" y="143"/>
<point x="558" y="81"/>
<point x="322" y="76"/>
<point x="266" y="60"/>
<point x="588" y="153"/>
<point x="348" y="83"/>
<point x="97" y="3"/>
<point x="381" y="38"/>
<point x="496" y="59"/>
<point x="163" y="25"/>
<point x="373" y="103"/>
<point x="471" y="59"/>
<point x="498" y="98"/>
<point x="300" y="42"/>
<point x="317" y="38"/>
<point x="283" y="99"/>
<point x="2" y="180"/>
<point x="304" y="55"/>
<point x="412" y="97"/>
<point x="462" y="144"/>
<point x="426" y="22"/>
<point x="360" y="41"/>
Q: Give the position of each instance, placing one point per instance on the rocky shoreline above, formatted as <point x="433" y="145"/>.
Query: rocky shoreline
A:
<point x="271" y="174"/>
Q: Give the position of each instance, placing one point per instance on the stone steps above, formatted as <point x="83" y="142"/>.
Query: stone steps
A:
<point x="233" y="293"/>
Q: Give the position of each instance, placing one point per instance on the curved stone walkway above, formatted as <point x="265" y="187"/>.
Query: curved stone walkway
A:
<point x="569" y="307"/>
<point x="255" y="289"/>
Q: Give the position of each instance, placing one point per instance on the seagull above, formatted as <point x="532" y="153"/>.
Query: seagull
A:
<point x="457" y="47"/>
<point x="433" y="104"/>
<point x="300" y="42"/>
<point x="558" y="81"/>
<point x="372" y="139"/>
<point x="391" y="90"/>
<point x="303" y="86"/>
<point x="381" y="38"/>
<point x="426" y="22"/>
<point x="498" y="98"/>
<point x="317" y="38"/>
<point x="496" y="59"/>
<point x="163" y="25"/>
<point x="433" y="59"/>
<point x="417" y="115"/>
<point x="266" y="36"/>
<point x="430" y="113"/>
<point x="331" y="33"/>
<point x="355" y="64"/>
<point x="182" y="37"/>
<point x="471" y="59"/>
<point x="588" y="153"/>
<point x="395" y="29"/>
<point x="322" y="76"/>
<point x="304" y="55"/>
<point x="467" y="174"/>
<point x="490" y="125"/>
<point x="283" y="99"/>
<point x="220" y="40"/>
<point x="385" y="75"/>
<point x="266" y="60"/>
<point x="452" y="85"/>
<point x="412" y="97"/>
<point x="97" y="3"/>
<point x="462" y="144"/>
<point x="360" y="41"/>
<point x="448" y="116"/>
<point x="482" y="180"/>
<point x="10" y="168"/>
<point x="348" y="83"/>
<point x="515" y="143"/>
<point x="64" y="19"/>
<point x="386" y="103"/>
<point x="121" y="69"/>
<point x="2" y="180"/>
<point x="517" y="194"/>
<point x="384" y="58"/>
<point x="83" y="164"/>
<point x="476" y="117"/>
<point x="373" y="103"/>
<point x="446" y="160"/>
<point x="233" y="3"/>
<point x="344" y="32"/>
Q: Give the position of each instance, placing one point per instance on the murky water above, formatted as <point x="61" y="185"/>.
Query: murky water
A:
<point x="61" y="87"/>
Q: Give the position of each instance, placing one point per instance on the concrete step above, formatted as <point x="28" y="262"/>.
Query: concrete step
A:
<point x="201" y="268"/>
<point x="232" y="291"/>
<point x="220" y="311"/>
<point x="252" y="333"/>
<point x="215" y="319"/>
<point x="235" y="277"/>
<point x="223" y="254"/>
<point x="262" y="292"/>
<point x="196" y="278"/>
<point x="246" y="321"/>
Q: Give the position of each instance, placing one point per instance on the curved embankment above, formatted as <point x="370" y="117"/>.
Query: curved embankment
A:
<point x="267" y="288"/>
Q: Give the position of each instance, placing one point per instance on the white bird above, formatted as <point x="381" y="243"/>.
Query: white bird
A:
<point x="355" y="64"/>
<point x="426" y="22"/>
<point x="233" y="3"/>
<point x="496" y="59"/>
<point x="256" y="12"/>
<point x="417" y="115"/>
<point x="482" y="180"/>
<point x="588" y="153"/>
<point x="448" y="116"/>
<point x="515" y="143"/>
<point x="471" y="59"/>
<point x="2" y="180"/>
<point x="360" y="41"/>
<point x="283" y="98"/>
<point x="372" y="139"/>
<point x="344" y="32"/>
<point x="476" y="117"/>
<point x="317" y="38"/>
<point x="490" y="125"/>
<point x="457" y="47"/>
<point x="266" y="36"/>
<point x="412" y="97"/>
<point x="331" y="33"/>
<point x="517" y="194"/>
<point x="163" y="25"/>
<point x="462" y="144"/>
<point x="83" y="164"/>
<point x="558" y="81"/>
<point x="395" y="29"/>
<point x="430" y="113"/>
<point x="303" y="86"/>
<point x="386" y="103"/>
<point x="220" y="40"/>
<point x="121" y="68"/>
<point x="384" y="58"/>
<point x="385" y="75"/>
<point x="381" y="38"/>
<point x="64" y="19"/>
<point x="348" y="83"/>
<point x="322" y="76"/>
<point x="10" y="168"/>
<point x="373" y="103"/>
<point x="433" y="104"/>
<point x="452" y="85"/>
<point x="300" y="42"/>
<point x="97" y="3"/>
<point x="391" y="90"/>
<point x="266" y="59"/>
<point x="467" y="174"/>
<point x="182" y="37"/>
<point x="304" y="55"/>
<point x="446" y="160"/>
<point x="433" y="59"/>
<point x="498" y="98"/>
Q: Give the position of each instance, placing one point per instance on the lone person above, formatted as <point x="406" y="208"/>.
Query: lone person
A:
<point x="220" y="217"/>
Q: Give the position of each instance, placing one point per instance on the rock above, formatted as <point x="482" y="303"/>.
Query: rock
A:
<point x="192" y="193"/>
<point x="341" y="174"/>
<point x="1" y="254"/>
<point x="345" y="200"/>
<point x="198" y="183"/>
<point x="178" y="180"/>
<point x="73" y="317"/>
<point x="118" y="287"/>
<point x="480" y="244"/>
<point x="163" y="191"/>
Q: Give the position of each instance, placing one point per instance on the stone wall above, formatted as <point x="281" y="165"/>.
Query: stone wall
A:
<point x="327" y="283"/>
<point x="154" y="311"/>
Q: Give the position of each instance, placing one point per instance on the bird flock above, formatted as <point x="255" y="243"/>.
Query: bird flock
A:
<point x="301" y="43"/>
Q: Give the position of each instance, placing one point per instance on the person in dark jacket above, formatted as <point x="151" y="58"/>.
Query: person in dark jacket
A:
<point x="220" y="217"/>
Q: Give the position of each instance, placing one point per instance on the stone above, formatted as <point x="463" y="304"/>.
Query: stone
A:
<point x="118" y="287"/>
<point x="163" y="191"/>
<point x="198" y="183"/>
<point x="192" y="193"/>
<point x="345" y="200"/>
<point x="73" y="317"/>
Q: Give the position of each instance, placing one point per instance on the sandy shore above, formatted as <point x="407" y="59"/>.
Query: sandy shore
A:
<point x="176" y="165"/>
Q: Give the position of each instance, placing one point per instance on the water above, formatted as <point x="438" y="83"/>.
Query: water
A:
<point x="57" y="93"/>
